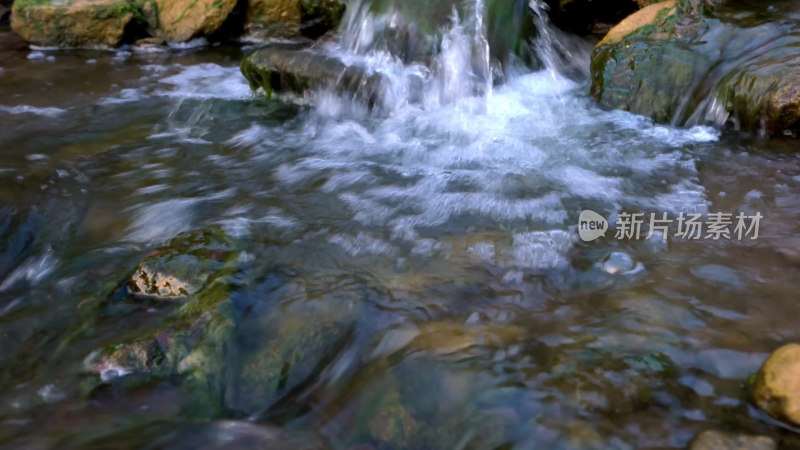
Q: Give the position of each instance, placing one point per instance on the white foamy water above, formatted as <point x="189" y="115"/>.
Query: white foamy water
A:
<point x="539" y="146"/>
<point x="35" y="110"/>
<point x="524" y="157"/>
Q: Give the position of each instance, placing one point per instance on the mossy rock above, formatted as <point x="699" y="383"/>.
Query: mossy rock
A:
<point x="416" y="404"/>
<point x="74" y="23"/>
<point x="192" y="344"/>
<point x="289" y="346"/>
<point x="182" y="20"/>
<point x="688" y="63"/>
<point x="648" y="18"/>
<point x="183" y="266"/>
<point x="646" y="77"/>
<point x="193" y="347"/>
<point x="287" y="68"/>
<point x="764" y="96"/>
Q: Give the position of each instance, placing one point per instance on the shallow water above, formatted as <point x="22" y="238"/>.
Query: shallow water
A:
<point x="453" y="224"/>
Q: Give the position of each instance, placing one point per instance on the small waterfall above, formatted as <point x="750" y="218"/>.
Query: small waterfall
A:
<point x="558" y="52"/>
<point x="442" y="54"/>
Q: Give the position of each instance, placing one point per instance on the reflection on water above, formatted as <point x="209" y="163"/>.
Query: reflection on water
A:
<point x="437" y="245"/>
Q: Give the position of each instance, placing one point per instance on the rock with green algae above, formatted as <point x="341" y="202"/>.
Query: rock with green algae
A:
<point x="717" y="440"/>
<point x="676" y="64"/>
<point x="182" y="20"/>
<point x="74" y="23"/>
<point x="183" y="266"/>
<point x="286" y="68"/>
<point x="193" y="343"/>
<point x="290" y="345"/>
<point x="420" y="403"/>
<point x="194" y="346"/>
<point x="776" y="389"/>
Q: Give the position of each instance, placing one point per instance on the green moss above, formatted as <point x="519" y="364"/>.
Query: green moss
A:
<point x="257" y="76"/>
<point x="185" y="10"/>
<point x="24" y="4"/>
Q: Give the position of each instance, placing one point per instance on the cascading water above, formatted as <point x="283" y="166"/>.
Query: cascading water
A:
<point x="446" y="59"/>
<point x="438" y="63"/>
<point x="446" y="226"/>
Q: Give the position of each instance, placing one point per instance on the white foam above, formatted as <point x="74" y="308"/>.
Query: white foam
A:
<point x="207" y="81"/>
<point x="36" y="110"/>
<point x="155" y="221"/>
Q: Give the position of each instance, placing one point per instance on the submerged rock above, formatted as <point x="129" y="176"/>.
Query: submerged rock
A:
<point x="183" y="266"/>
<point x="180" y="21"/>
<point x="289" y="344"/>
<point x="194" y="346"/>
<point x="777" y="385"/>
<point x="673" y="63"/>
<point x="73" y="23"/>
<point x="285" y="68"/>
<point x="717" y="440"/>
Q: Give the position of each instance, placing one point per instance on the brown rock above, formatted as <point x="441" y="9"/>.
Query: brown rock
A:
<point x="777" y="385"/>
<point x="717" y="440"/>
<point x="268" y="12"/>
<point x="72" y="23"/>
<point x="182" y="20"/>
<point x="644" y="16"/>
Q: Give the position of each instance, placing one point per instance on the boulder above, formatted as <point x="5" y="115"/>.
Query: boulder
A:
<point x="777" y="385"/>
<point x="193" y="347"/>
<point x="183" y="266"/>
<point x="192" y="343"/>
<point x="646" y="77"/>
<point x="73" y="23"/>
<point x="287" y="343"/>
<point x="717" y="440"/>
<point x="271" y="18"/>
<point x="764" y="96"/>
<point x="648" y="16"/>
<point x="278" y="68"/>
<point x="182" y="20"/>
<point x="320" y="16"/>
<point x="291" y="18"/>
<point x="673" y="64"/>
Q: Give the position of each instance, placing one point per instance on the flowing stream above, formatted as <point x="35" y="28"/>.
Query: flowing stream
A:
<point x="456" y="208"/>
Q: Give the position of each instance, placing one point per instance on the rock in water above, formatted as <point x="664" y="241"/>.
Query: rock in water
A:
<point x="777" y="385"/>
<point x="183" y="266"/>
<point x="717" y="440"/>
<point x="192" y="344"/>
<point x="193" y="347"/>
<point x="279" y="68"/>
<point x="289" y="345"/>
<point x="182" y="20"/>
<point x="73" y="23"/>
<point x="674" y="64"/>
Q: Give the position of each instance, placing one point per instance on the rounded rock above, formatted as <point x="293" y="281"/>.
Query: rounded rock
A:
<point x="777" y="385"/>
